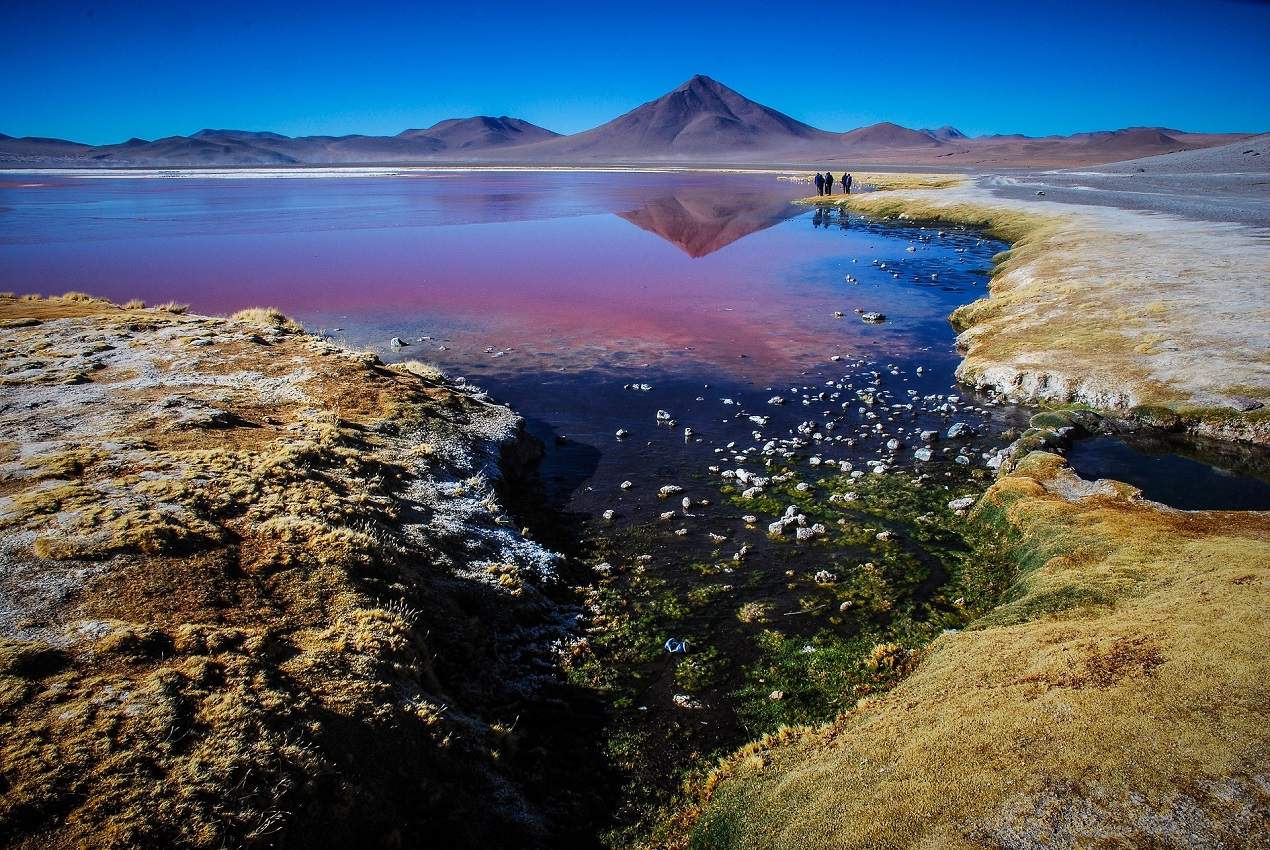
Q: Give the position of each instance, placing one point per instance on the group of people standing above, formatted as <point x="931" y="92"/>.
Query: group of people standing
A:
<point x="824" y="183"/>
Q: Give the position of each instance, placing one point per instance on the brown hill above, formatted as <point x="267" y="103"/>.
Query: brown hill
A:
<point x="700" y="118"/>
<point x="887" y="135"/>
<point x="701" y="121"/>
<point x="482" y="132"/>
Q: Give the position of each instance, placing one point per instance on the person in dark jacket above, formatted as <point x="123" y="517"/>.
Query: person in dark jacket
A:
<point x="846" y="184"/>
<point x="828" y="182"/>
<point x="820" y="183"/>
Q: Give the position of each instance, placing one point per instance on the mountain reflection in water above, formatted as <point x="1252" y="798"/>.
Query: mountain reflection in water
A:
<point x="700" y="220"/>
<point x="487" y="272"/>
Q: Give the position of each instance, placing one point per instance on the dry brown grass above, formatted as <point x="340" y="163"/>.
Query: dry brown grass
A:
<point x="254" y="652"/>
<point x="268" y="317"/>
<point x="1109" y="308"/>
<point x="1120" y="697"/>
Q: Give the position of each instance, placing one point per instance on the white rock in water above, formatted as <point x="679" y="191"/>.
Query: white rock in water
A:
<point x="752" y="493"/>
<point x="681" y="532"/>
<point x="666" y="516"/>
<point x="802" y="534"/>
<point x="669" y="490"/>
<point x="959" y="429"/>
<point x="873" y="318"/>
<point x="397" y="342"/>
<point x="608" y="515"/>
<point x="717" y="538"/>
<point x="825" y="577"/>
<point x="923" y="454"/>
<point x="622" y="433"/>
<point x="749" y="519"/>
<point x="930" y="436"/>
<point x="777" y="527"/>
<point x="626" y="485"/>
<point x="776" y="400"/>
<point x="687" y="503"/>
<point x="663" y="416"/>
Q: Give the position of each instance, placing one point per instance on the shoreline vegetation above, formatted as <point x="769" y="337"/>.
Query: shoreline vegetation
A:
<point x="1156" y="318"/>
<point x="260" y="588"/>
<point x="240" y="545"/>
<point x="1117" y="696"/>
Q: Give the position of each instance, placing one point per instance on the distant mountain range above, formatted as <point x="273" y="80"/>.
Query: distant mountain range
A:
<point x="700" y="122"/>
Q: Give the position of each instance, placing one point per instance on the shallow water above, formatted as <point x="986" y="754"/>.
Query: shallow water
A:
<point x="550" y="290"/>
<point x="1164" y="474"/>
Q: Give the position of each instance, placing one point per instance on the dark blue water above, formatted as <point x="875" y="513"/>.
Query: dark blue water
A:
<point x="1168" y="477"/>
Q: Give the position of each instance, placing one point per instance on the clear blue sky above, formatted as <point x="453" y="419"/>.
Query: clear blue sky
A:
<point x="102" y="72"/>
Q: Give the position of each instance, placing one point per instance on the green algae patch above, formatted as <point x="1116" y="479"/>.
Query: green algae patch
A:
<point x="1124" y="676"/>
<point x="792" y="632"/>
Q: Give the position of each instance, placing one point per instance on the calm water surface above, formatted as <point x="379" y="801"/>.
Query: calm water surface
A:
<point x="552" y="291"/>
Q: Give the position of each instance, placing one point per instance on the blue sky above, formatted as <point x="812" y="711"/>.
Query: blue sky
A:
<point x="105" y="72"/>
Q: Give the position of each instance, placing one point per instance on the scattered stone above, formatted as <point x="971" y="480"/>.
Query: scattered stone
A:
<point x="669" y="490"/>
<point x="626" y="485"/>
<point x="776" y="696"/>
<point x="962" y="504"/>
<point x="873" y="318"/>
<point x="608" y="515"/>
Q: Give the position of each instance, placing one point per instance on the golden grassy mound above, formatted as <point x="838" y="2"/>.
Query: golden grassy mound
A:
<point x="1119" y="697"/>
<point x="249" y="590"/>
<point x="1112" y="308"/>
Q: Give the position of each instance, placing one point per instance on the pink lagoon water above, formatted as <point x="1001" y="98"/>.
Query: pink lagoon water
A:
<point x="551" y="290"/>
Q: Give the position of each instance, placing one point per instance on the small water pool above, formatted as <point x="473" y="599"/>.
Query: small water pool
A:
<point x="1169" y="477"/>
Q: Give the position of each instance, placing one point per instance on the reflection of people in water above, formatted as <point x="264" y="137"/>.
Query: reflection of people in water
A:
<point x="842" y="217"/>
<point x="828" y="182"/>
<point x="846" y="184"/>
<point x="819" y="218"/>
<point x="820" y="183"/>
